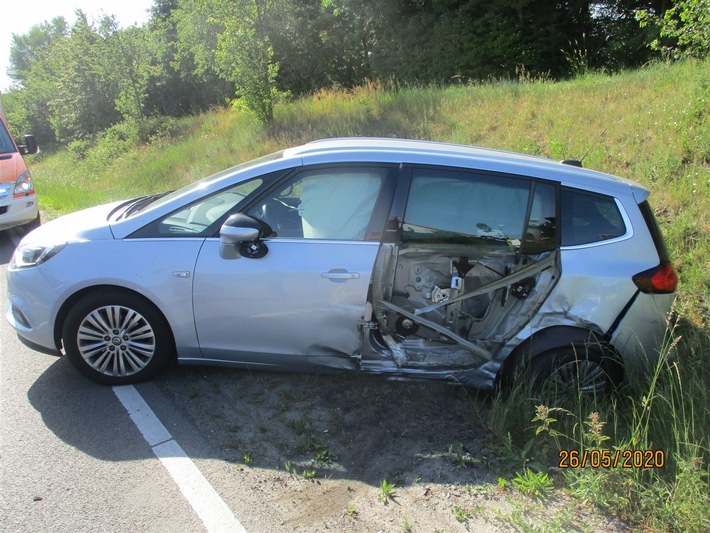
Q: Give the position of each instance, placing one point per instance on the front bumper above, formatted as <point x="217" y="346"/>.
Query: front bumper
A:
<point x="18" y="211"/>
<point x="32" y="309"/>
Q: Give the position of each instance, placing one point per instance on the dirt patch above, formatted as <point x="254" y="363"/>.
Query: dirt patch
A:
<point x="360" y="453"/>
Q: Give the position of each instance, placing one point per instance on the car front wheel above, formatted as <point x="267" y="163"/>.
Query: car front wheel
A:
<point x="116" y="338"/>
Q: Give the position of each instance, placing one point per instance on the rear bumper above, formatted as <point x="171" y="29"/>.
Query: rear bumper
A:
<point x="642" y="335"/>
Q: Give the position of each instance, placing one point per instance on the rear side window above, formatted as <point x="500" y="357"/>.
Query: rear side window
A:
<point x="589" y="218"/>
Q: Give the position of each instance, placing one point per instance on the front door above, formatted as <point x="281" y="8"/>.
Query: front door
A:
<point x="303" y="301"/>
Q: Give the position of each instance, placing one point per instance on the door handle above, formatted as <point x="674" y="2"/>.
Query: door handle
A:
<point x="339" y="274"/>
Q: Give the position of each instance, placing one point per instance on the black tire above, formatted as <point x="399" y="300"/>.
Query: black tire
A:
<point x="563" y="375"/>
<point x="116" y="337"/>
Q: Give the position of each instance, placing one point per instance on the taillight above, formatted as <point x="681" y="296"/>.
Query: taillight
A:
<point x="661" y="279"/>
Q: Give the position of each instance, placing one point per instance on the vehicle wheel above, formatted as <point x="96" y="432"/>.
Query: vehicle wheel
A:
<point x="115" y="337"/>
<point x="565" y="374"/>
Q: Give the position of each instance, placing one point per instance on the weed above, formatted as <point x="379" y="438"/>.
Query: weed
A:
<point x="296" y="395"/>
<point x="290" y="468"/>
<point x="536" y="484"/>
<point x="307" y="443"/>
<point x="309" y="474"/>
<point x="407" y="525"/>
<point x="352" y="511"/>
<point x="461" y="513"/>
<point x="387" y="492"/>
<point x="324" y="457"/>
<point x="533" y="516"/>
<point x="458" y="456"/>
<point x="300" y="426"/>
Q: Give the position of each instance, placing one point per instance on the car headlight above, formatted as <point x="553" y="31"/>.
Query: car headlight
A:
<point x="30" y="255"/>
<point x="23" y="185"/>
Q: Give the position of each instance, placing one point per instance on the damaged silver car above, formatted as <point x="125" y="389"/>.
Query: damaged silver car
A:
<point x="404" y="258"/>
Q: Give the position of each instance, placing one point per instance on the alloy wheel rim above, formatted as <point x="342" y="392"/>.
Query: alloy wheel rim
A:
<point x="577" y="378"/>
<point x="116" y="341"/>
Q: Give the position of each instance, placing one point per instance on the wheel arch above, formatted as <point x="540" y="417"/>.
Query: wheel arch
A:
<point x="552" y="338"/>
<point x="74" y="298"/>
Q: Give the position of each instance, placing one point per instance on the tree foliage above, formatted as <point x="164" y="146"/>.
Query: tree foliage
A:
<point x="72" y="81"/>
<point x="684" y="28"/>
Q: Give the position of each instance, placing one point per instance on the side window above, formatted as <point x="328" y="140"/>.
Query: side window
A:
<point x="195" y="219"/>
<point x="6" y="144"/>
<point x="334" y="203"/>
<point x="588" y="218"/>
<point x="462" y="206"/>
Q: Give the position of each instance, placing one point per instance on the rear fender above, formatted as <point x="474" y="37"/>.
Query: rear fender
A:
<point x="549" y="339"/>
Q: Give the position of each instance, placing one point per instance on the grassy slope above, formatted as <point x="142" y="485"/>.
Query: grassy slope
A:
<point x="650" y="125"/>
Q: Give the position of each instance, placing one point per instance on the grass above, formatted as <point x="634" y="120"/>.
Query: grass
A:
<point x="651" y="125"/>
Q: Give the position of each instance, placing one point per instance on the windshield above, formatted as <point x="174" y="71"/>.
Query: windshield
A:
<point x="156" y="200"/>
<point x="6" y="144"/>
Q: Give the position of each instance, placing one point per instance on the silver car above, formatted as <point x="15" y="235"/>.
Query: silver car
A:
<point x="405" y="258"/>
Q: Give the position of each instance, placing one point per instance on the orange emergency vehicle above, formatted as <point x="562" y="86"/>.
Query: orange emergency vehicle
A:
<point x="18" y="201"/>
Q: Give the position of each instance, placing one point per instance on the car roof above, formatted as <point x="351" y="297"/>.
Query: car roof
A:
<point x="417" y="151"/>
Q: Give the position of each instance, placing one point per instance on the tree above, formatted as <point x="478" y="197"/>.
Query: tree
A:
<point x="231" y="38"/>
<point x="85" y="91"/>
<point x="176" y="86"/>
<point x="33" y="75"/>
<point x="128" y="62"/>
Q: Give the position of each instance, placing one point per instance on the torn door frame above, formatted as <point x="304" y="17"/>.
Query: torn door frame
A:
<point x="484" y="352"/>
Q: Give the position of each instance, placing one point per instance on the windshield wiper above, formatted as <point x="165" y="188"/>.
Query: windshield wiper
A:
<point x="140" y="203"/>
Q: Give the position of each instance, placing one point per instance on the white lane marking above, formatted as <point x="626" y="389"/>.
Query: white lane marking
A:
<point x="208" y="505"/>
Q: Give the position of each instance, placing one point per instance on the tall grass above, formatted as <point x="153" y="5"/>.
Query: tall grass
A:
<point x="664" y="410"/>
<point x="650" y="125"/>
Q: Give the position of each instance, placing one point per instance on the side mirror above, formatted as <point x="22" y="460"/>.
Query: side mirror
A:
<point x="241" y="235"/>
<point x="30" y="146"/>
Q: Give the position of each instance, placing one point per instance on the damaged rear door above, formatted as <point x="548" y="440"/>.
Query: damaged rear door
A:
<point x="475" y="256"/>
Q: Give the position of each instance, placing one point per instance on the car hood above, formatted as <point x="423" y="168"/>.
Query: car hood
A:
<point x="88" y="224"/>
<point x="8" y="168"/>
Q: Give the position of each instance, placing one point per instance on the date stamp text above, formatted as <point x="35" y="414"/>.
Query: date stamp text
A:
<point x="612" y="458"/>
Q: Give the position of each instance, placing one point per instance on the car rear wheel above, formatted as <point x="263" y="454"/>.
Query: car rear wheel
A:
<point x="563" y="375"/>
<point x="116" y="338"/>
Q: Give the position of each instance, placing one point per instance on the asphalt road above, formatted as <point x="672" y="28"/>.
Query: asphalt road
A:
<point x="72" y="459"/>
